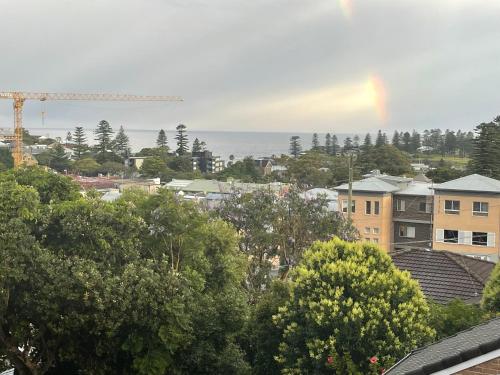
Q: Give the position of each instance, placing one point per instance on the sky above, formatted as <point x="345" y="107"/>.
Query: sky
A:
<point x="338" y="66"/>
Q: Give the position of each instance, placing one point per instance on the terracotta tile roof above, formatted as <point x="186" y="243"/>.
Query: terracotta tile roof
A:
<point x="461" y="347"/>
<point x="443" y="275"/>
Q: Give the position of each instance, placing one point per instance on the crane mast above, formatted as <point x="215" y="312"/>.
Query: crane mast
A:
<point x="20" y="97"/>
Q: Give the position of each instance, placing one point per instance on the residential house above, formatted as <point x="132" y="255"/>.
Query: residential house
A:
<point x="205" y="162"/>
<point x="264" y="165"/>
<point x="331" y="196"/>
<point x="135" y="161"/>
<point x="412" y="216"/>
<point x="473" y="351"/>
<point x="467" y="216"/>
<point x="443" y="275"/>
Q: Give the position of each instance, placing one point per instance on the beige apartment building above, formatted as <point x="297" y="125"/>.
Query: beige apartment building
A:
<point x="467" y="216"/>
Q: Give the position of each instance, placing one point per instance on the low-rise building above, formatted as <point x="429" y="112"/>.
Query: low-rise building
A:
<point x="206" y="162"/>
<point x="467" y="216"/>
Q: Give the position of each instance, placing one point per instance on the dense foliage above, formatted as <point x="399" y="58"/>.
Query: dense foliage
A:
<point x="491" y="292"/>
<point x="349" y="303"/>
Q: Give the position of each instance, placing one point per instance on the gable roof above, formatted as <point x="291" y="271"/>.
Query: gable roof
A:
<point x="417" y="188"/>
<point x="444" y="276"/>
<point x="451" y="351"/>
<point x="371" y="184"/>
<point x="473" y="183"/>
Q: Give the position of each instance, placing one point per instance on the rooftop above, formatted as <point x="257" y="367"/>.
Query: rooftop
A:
<point x="444" y="275"/>
<point x="474" y="342"/>
<point x="471" y="183"/>
<point x="370" y="184"/>
<point x="417" y="188"/>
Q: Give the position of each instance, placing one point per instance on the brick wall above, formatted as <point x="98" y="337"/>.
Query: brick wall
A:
<point x="487" y="368"/>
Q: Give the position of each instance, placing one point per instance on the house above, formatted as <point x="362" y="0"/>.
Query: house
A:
<point x="205" y="162"/>
<point x="473" y="351"/>
<point x="443" y="275"/>
<point x="412" y="216"/>
<point x="467" y="216"/>
<point x="135" y="161"/>
<point x="150" y="186"/>
<point x="264" y="165"/>
<point x="331" y="196"/>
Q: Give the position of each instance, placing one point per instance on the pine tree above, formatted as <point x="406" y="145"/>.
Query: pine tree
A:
<point x="328" y="143"/>
<point x="196" y="146"/>
<point x="406" y="142"/>
<point x="295" y="147"/>
<point x="58" y="158"/>
<point x="348" y="146"/>
<point x="381" y="139"/>
<point x="355" y="142"/>
<point x="486" y="150"/>
<point x="335" y="145"/>
<point x="315" y="142"/>
<point x="103" y="137"/>
<point x="161" y="141"/>
<point x="80" y="142"/>
<point x="69" y="138"/>
<point x="396" y="141"/>
<point x="122" y="142"/>
<point x="182" y="140"/>
<point x="367" y="144"/>
<point x="415" y="142"/>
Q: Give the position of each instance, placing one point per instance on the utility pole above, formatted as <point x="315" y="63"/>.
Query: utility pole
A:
<point x="349" y="196"/>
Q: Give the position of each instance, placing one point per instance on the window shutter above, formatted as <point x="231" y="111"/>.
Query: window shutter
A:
<point x="467" y="237"/>
<point x="491" y="239"/>
<point x="461" y="235"/>
<point x="439" y="235"/>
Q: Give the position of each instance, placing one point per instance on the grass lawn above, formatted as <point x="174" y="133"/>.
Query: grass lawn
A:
<point x="454" y="160"/>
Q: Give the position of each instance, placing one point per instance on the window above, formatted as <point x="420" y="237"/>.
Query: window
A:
<point x="452" y="207"/>
<point x="406" y="231"/>
<point x="376" y="207"/>
<point x="367" y="230"/>
<point x="375" y="240"/>
<point x="480" y="208"/>
<point x="368" y="208"/>
<point x="367" y="239"/>
<point x="344" y="206"/>
<point x="450" y="236"/>
<point x="376" y="230"/>
<point x="400" y="205"/>
<point x="425" y="207"/>
<point x="480" y="238"/>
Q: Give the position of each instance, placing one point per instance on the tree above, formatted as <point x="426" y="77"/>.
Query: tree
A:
<point x="315" y="142"/>
<point x="182" y="140"/>
<point x="348" y="146"/>
<point x="486" y="150"/>
<point x="80" y="142"/>
<point x="387" y="158"/>
<point x="295" y="147"/>
<point x="161" y="141"/>
<point x="491" y="292"/>
<point x="406" y="139"/>
<point x="396" y="141"/>
<point x="415" y="142"/>
<point x="349" y="303"/>
<point x="196" y="146"/>
<point x="328" y="143"/>
<point x="244" y="170"/>
<point x="444" y="173"/>
<point x="6" y="158"/>
<point x="121" y="143"/>
<point x="58" y="158"/>
<point x="69" y="138"/>
<point x="103" y="137"/>
<point x="455" y="316"/>
<point x="381" y="139"/>
<point x="367" y="144"/>
<point x="86" y="166"/>
<point x="335" y="145"/>
<point x="355" y="142"/>
<point x="154" y="167"/>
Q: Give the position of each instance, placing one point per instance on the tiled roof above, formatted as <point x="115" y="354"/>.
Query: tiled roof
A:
<point x="443" y="275"/>
<point x="451" y="351"/>
<point x="371" y="184"/>
<point x="473" y="182"/>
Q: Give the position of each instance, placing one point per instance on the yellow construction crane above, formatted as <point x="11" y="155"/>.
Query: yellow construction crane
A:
<point x="20" y="97"/>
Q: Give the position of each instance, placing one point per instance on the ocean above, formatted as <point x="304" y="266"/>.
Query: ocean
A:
<point x="221" y="143"/>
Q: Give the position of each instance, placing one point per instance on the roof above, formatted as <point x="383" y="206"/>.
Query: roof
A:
<point x="444" y="275"/>
<point x="8" y="372"/>
<point x="473" y="183"/>
<point x="214" y="186"/>
<point x="370" y="184"/>
<point x="417" y="188"/>
<point x="317" y="192"/>
<point x="451" y="351"/>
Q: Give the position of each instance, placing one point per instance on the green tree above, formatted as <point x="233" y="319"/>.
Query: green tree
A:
<point x="103" y="137"/>
<point x="121" y="143"/>
<point x="244" y="170"/>
<point x="86" y="166"/>
<point x="315" y="142"/>
<point x="350" y="303"/>
<point x="328" y="143"/>
<point x="415" y="142"/>
<point x="161" y="141"/>
<point x="295" y="147"/>
<point x="491" y="292"/>
<point x="381" y="139"/>
<point x="58" y="158"/>
<point x="69" y="138"/>
<point x="196" y="146"/>
<point x="486" y="151"/>
<point x="6" y="158"/>
<point x="335" y="145"/>
<point x="387" y="158"/>
<point x="182" y="140"/>
<point x="444" y="173"/>
<point x="396" y="140"/>
<point x="80" y="142"/>
<point x="455" y="316"/>
<point x="154" y="167"/>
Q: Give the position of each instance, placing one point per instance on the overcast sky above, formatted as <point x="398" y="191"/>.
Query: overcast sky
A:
<point x="266" y="65"/>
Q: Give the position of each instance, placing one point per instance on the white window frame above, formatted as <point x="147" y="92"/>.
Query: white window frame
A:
<point x="376" y="207"/>
<point x="344" y="206"/>
<point x="407" y="230"/>
<point x="367" y="230"/>
<point x="376" y="230"/>
<point x="400" y="205"/>
<point x="481" y="211"/>
<point x="452" y="211"/>
<point x="451" y="230"/>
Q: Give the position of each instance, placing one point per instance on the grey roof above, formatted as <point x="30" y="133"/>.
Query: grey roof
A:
<point x="371" y="184"/>
<point x="417" y="188"/>
<point x="8" y="372"/>
<point x="473" y="183"/>
<point x="451" y="351"/>
<point x="443" y="275"/>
